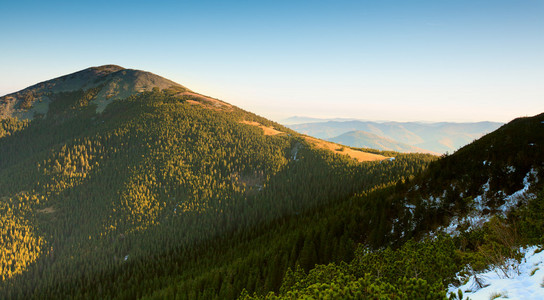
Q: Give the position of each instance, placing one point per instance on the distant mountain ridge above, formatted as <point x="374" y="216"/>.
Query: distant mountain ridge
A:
<point x="363" y="139"/>
<point x="301" y="120"/>
<point x="439" y="137"/>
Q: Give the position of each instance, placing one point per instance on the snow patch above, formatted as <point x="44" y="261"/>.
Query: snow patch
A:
<point x="472" y="220"/>
<point x="433" y="201"/>
<point x="522" y="281"/>
<point x="521" y="195"/>
<point x="476" y="218"/>
<point x="410" y="207"/>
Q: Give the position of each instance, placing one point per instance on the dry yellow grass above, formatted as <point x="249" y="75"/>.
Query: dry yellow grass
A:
<point x="206" y="101"/>
<point x="360" y="156"/>
<point x="266" y="130"/>
<point x="47" y="210"/>
<point x="336" y="148"/>
<point x="195" y="102"/>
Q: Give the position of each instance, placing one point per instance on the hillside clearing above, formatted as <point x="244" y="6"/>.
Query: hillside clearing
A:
<point x="266" y="129"/>
<point x="339" y="149"/>
<point x="208" y="102"/>
<point x="47" y="210"/>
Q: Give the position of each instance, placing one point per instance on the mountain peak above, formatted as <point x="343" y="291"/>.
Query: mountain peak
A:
<point x="107" y="68"/>
<point x="107" y="82"/>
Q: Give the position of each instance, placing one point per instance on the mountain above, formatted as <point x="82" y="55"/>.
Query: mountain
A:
<point x="170" y="194"/>
<point x="301" y="120"/>
<point x="118" y="183"/>
<point x="103" y="85"/>
<point x="437" y="137"/>
<point x="363" y="139"/>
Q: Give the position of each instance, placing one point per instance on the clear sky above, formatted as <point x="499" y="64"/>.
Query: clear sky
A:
<point x="454" y="60"/>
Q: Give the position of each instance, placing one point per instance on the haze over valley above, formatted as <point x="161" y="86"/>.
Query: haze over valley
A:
<point x="399" y="136"/>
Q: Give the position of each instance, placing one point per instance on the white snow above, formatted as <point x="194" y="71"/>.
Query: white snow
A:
<point x="474" y="220"/>
<point x="476" y="217"/>
<point x="388" y="159"/>
<point x="514" y="199"/>
<point x="452" y="228"/>
<point x="410" y="207"/>
<point x="433" y="201"/>
<point x="485" y="187"/>
<point x="523" y="280"/>
<point x="295" y="154"/>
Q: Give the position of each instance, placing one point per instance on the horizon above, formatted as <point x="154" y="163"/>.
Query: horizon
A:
<point x="343" y="119"/>
<point x="316" y="118"/>
<point x="426" y="61"/>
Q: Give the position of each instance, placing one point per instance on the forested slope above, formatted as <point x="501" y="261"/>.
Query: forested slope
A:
<point x="169" y="185"/>
<point x="467" y="213"/>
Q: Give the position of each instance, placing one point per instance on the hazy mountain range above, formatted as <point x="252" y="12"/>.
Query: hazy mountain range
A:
<point x="438" y="137"/>
<point x="363" y="139"/>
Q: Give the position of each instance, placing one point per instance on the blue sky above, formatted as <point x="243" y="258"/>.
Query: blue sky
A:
<point x="377" y="60"/>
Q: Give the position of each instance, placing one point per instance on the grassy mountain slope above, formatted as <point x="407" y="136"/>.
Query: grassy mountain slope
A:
<point x="101" y="200"/>
<point x="363" y="139"/>
<point x="438" y="137"/>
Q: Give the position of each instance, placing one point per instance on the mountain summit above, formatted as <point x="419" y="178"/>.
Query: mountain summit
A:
<point x="101" y="85"/>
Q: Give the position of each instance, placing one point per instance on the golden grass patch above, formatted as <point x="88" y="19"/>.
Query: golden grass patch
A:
<point x="47" y="210"/>
<point x="340" y="149"/>
<point x="266" y="129"/>
<point x="205" y="101"/>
